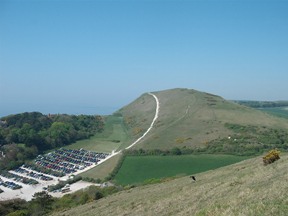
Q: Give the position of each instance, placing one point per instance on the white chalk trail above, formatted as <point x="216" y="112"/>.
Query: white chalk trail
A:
<point x="152" y="124"/>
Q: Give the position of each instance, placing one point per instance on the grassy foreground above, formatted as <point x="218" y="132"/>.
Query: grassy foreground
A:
<point x="246" y="188"/>
<point x="137" y="169"/>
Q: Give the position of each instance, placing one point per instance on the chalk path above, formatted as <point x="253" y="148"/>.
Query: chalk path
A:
<point x="152" y="124"/>
<point x="134" y="143"/>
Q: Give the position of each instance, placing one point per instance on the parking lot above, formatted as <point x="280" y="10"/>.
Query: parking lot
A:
<point x="68" y="161"/>
<point x="46" y="170"/>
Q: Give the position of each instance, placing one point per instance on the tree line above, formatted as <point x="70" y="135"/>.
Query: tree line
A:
<point x="23" y="136"/>
<point x="262" y="104"/>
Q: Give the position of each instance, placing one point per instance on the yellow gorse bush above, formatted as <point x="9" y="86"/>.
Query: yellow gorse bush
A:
<point x="271" y="157"/>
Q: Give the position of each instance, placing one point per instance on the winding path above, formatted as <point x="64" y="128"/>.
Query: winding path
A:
<point x="152" y="124"/>
<point x="134" y="143"/>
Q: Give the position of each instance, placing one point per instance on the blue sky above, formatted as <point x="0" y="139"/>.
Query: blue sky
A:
<point x="97" y="56"/>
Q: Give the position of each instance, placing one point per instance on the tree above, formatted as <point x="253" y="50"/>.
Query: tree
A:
<point x="59" y="133"/>
<point x="13" y="205"/>
<point x="41" y="203"/>
<point x="98" y="195"/>
<point x="12" y="136"/>
<point x="176" y="151"/>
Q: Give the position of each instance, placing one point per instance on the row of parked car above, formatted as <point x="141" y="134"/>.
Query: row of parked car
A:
<point x="54" y="166"/>
<point x="68" y="161"/>
<point x="42" y="169"/>
<point x="18" y="178"/>
<point x="10" y="184"/>
<point x="33" y="174"/>
<point x="82" y="154"/>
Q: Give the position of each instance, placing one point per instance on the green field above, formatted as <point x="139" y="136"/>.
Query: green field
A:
<point x="137" y="169"/>
<point x="113" y="137"/>
<point x="277" y="111"/>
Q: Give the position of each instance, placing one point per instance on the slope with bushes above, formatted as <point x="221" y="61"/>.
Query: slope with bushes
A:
<point x="193" y="119"/>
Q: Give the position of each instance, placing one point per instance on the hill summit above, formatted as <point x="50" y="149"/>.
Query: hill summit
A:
<point x="196" y="120"/>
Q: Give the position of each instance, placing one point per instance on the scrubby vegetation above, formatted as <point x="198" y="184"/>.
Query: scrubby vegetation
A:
<point x="248" y="140"/>
<point x="262" y="104"/>
<point x="12" y="206"/>
<point x="116" y="169"/>
<point x="64" y="183"/>
<point x="43" y="203"/>
<point x="271" y="157"/>
<point x="161" y="152"/>
<point x="25" y="135"/>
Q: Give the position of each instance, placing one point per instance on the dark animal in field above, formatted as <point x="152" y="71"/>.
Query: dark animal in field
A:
<point x="193" y="177"/>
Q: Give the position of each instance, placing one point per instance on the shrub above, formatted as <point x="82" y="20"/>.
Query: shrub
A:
<point x="98" y="195"/>
<point x="271" y="157"/>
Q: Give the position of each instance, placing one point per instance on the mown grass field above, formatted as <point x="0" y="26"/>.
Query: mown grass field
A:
<point x="138" y="169"/>
<point x="277" y="111"/>
<point x="113" y="136"/>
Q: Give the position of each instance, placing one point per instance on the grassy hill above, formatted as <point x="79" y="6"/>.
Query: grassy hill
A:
<point x="188" y="119"/>
<point x="245" y="188"/>
<point x="193" y="119"/>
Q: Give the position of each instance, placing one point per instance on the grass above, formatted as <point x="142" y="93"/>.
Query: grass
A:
<point x="137" y="169"/>
<point x="103" y="170"/>
<point x="192" y="116"/>
<point x="245" y="188"/>
<point x="188" y="115"/>
<point x="113" y="136"/>
<point x="277" y="111"/>
<point x="138" y="115"/>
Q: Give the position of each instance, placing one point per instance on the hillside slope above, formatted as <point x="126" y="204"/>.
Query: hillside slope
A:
<point x="189" y="118"/>
<point x="245" y="188"/>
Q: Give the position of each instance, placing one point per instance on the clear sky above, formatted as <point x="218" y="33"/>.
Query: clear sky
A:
<point x="97" y="56"/>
